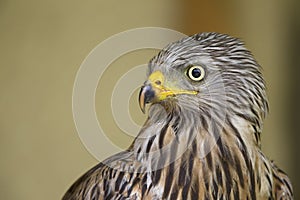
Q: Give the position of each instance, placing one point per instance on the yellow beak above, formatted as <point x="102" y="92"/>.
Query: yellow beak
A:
<point x="154" y="90"/>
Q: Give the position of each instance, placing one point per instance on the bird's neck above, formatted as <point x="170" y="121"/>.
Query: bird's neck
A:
<point x="171" y="135"/>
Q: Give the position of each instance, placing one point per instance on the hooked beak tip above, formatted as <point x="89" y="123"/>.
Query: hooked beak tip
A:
<point x="142" y="100"/>
<point x="146" y="95"/>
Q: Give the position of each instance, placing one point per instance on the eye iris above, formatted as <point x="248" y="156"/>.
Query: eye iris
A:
<point x="196" y="72"/>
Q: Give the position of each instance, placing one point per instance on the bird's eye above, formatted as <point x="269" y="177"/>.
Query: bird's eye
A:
<point x="195" y="73"/>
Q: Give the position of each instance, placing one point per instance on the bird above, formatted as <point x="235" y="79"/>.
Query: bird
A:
<point x="205" y="99"/>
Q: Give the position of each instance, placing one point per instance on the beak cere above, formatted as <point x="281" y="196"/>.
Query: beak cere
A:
<point x="146" y="96"/>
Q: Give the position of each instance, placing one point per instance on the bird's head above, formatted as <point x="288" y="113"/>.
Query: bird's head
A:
<point x="206" y="74"/>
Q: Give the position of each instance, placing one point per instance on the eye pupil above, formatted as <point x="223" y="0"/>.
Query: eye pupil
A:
<point x="196" y="72"/>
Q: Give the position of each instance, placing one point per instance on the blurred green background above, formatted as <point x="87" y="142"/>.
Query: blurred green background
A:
<point x="43" y="43"/>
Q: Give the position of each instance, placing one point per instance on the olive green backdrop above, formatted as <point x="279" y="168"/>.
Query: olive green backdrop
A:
<point x="43" y="43"/>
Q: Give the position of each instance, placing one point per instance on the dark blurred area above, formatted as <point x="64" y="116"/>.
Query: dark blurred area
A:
<point x="294" y="91"/>
<point x="43" y="44"/>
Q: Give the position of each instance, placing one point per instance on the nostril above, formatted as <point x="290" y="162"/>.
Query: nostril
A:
<point x="158" y="82"/>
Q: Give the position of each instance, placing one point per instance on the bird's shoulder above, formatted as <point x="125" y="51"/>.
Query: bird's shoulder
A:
<point x="110" y="179"/>
<point x="282" y="185"/>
